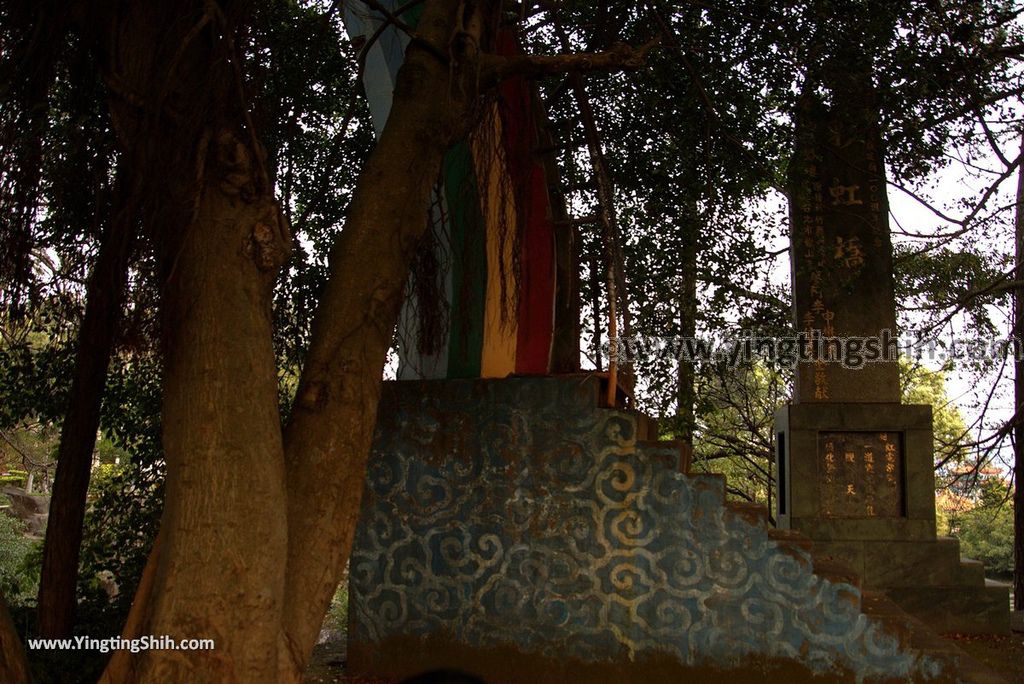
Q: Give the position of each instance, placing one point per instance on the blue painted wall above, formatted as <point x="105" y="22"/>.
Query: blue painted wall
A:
<point x="515" y="512"/>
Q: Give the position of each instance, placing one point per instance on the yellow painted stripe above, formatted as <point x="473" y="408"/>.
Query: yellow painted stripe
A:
<point x="498" y="356"/>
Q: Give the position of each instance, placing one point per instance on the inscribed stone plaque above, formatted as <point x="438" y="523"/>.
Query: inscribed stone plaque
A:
<point x="861" y="474"/>
<point x="841" y="247"/>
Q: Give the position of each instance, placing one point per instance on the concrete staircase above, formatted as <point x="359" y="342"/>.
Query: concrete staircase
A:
<point x="910" y="631"/>
<point x="931" y="580"/>
<point x="945" y="593"/>
<point x="519" y="530"/>
<point x="897" y="552"/>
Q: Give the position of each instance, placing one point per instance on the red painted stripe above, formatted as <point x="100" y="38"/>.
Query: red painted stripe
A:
<point x="537" y="315"/>
<point x="537" y="237"/>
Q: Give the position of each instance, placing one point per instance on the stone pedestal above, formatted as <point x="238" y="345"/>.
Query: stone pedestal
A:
<point x="858" y="480"/>
<point x="860" y="471"/>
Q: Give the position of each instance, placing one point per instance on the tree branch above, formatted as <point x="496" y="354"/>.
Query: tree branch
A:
<point x="494" y="69"/>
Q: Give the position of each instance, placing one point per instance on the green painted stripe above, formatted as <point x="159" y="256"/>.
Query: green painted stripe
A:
<point x="469" y="264"/>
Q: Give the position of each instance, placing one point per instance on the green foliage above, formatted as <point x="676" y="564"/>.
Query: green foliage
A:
<point x="943" y="520"/>
<point x="678" y="138"/>
<point x="32" y="399"/>
<point x="923" y="386"/>
<point x="33" y="381"/>
<point x="19" y="578"/>
<point x="109" y="453"/>
<point x="736" y="426"/>
<point x="968" y="278"/>
<point x="15" y="477"/>
<point x="316" y="128"/>
<point x="122" y="518"/>
<point x="337" y="613"/>
<point x="125" y="499"/>
<point x="986" y="531"/>
<point x="58" y="139"/>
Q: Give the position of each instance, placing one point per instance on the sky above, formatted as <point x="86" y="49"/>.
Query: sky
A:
<point x="908" y="215"/>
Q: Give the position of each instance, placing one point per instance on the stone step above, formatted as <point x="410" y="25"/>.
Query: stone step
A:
<point x="714" y="482"/>
<point x="972" y="572"/>
<point x="668" y="452"/>
<point x="967" y="669"/>
<point x="835" y="571"/>
<point x="885" y="563"/>
<point x="975" y="672"/>
<point x="914" y="563"/>
<point x="681" y="451"/>
<point x="790" y="539"/>
<point x="896" y="622"/>
<point x="754" y="513"/>
<point x="912" y="633"/>
<point x="957" y="608"/>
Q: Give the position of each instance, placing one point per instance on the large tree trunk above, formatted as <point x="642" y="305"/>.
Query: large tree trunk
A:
<point x="223" y="531"/>
<point x="58" y="583"/>
<point x="1018" y="391"/>
<point x="219" y="573"/>
<point x="686" y="395"/>
<point x="13" y="662"/>
<point x="179" y="109"/>
<point x="328" y="437"/>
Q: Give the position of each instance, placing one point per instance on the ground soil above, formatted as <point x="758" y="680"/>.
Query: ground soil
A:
<point x="1005" y="654"/>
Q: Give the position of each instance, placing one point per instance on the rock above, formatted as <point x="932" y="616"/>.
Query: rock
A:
<point x="31" y="509"/>
<point x="1017" y="620"/>
<point x="329" y="636"/>
<point x="108" y="583"/>
<point x="27" y="504"/>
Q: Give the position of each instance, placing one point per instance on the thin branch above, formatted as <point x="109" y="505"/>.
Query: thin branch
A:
<point x="495" y="69"/>
<point x="24" y="455"/>
<point x="991" y="138"/>
<point x="965" y="223"/>
<point x="709" y="105"/>
<point x="392" y="19"/>
<point x="361" y="57"/>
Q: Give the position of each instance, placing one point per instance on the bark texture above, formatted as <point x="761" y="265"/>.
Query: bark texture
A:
<point x="180" y="112"/>
<point x="13" y="661"/>
<point x="104" y="299"/>
<point x="223" y="532"/>
<point x="328" y="437"/>
<point x="1018" y="392"/>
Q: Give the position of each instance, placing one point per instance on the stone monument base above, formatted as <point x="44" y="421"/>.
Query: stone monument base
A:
<point x="858" y="480"/>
